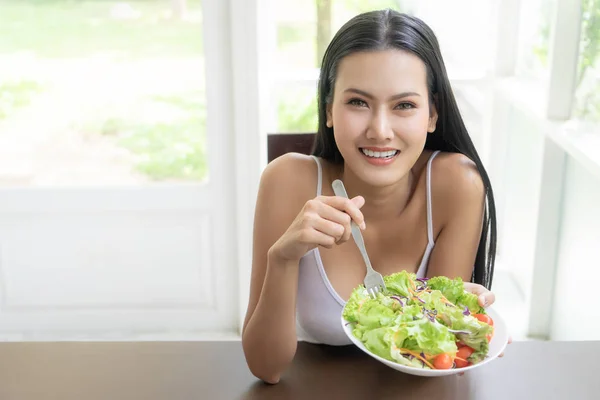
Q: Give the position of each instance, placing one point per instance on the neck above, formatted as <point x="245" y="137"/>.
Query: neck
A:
<point x="381" y="203"/>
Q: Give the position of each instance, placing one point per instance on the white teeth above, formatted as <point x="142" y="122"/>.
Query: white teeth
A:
<point x="379" y="154"/>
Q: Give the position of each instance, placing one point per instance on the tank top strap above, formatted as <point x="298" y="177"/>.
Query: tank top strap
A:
<point x="319" y="175"/>
<point x="429" y="205"/>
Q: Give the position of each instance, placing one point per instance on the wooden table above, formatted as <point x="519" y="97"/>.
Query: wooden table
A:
<point x="217" y="370"/>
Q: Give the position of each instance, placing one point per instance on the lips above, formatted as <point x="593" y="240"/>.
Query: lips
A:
<point x="379" y="153"/>
<point x="379" y="156"/>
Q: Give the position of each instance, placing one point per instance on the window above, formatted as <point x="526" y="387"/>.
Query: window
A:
<point x="100" y="92"/>
<point x="587" y="97"/>
<point x="535" y="29"/>
<point x="304" y="28"/>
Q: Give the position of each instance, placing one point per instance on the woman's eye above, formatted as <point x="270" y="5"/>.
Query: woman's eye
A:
<point x="405" y="106"/>
<point x="357" y="103"/>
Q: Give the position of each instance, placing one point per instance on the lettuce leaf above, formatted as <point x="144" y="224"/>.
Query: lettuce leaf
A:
<point x="453" y="290"/>
<point x="476" y="338"/>
<point x="418" y="316"/>
<point x="400" y="283"/>
<point x="432" y="337"/>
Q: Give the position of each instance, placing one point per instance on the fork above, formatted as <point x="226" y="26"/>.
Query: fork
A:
<point x="373" y="279"/>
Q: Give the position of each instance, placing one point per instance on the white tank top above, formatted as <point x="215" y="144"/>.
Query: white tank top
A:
<point x="318" y="305"/>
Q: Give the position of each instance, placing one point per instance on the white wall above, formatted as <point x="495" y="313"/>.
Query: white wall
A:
<point x="576" y="308"/>
<point x="114" y="263"/>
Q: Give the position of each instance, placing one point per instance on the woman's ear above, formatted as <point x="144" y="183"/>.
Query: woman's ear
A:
<point x="329" y="121"/>
<point x="433" y="116"/>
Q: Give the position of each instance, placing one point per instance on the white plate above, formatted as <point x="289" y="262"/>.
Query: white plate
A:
<point x="497" y="346"/>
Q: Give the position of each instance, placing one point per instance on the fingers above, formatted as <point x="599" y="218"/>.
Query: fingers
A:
<point x="332" y="223"/>
<point x="475" y="288"/>
<point x="348" y="206"/>
<point x="316" y="237"/>
<point x="321" y="216"/>
<point x="358" y="201"/>
<point x="509" y="342"/>
<point x="333" y="216"/>
<point x="485" y="298"/>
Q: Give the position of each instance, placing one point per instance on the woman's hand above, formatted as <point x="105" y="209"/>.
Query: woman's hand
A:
<point x="486" y="298"/>
<point x="323" y="221"/>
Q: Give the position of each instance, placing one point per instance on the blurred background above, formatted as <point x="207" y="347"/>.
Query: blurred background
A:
<point x="133" y="135"/>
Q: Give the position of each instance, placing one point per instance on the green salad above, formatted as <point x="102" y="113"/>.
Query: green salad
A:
<point x="422" y="323"/>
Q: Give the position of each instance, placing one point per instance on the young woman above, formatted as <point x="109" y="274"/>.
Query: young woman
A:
<point x="390" y="129"/>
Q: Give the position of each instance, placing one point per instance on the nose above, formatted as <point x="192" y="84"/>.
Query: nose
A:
<point x="380" y="127"/>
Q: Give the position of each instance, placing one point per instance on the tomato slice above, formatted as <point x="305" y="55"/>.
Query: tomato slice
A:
<point x="464" y="352"/>
<point x="443" y="361"/>
<point x="460" y="363"/>
<point x="484" y="318"/>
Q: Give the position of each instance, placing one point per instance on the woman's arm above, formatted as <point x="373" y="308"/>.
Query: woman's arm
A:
<point x="289" y="221"/>
<point x="458" y="204"/>
<point x="269" y="332"/>
<point x="458" y="196"/>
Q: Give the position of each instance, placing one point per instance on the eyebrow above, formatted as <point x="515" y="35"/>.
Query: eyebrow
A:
<point x="370" y="96"/>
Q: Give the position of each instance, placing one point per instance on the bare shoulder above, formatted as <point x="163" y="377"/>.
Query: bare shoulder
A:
<point x="289" y="181"/>
<point x="457" y="181"/>
<point x="455" y="170"/>
<point x="294" y="171"/>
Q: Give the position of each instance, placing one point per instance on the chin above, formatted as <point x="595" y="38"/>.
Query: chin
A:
<point x="382" y="179"/>
<point x="377" y="176"/>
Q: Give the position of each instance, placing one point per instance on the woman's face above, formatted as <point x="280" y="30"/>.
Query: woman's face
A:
<point x="380" y="114"/>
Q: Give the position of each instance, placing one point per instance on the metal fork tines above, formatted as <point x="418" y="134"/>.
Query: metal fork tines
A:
<point x="373" y="280"/>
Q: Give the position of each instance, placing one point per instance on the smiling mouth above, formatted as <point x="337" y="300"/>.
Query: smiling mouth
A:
<point x="379" y="154"/>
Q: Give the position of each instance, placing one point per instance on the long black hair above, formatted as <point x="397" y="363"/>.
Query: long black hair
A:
<point x="388" y="29"/>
